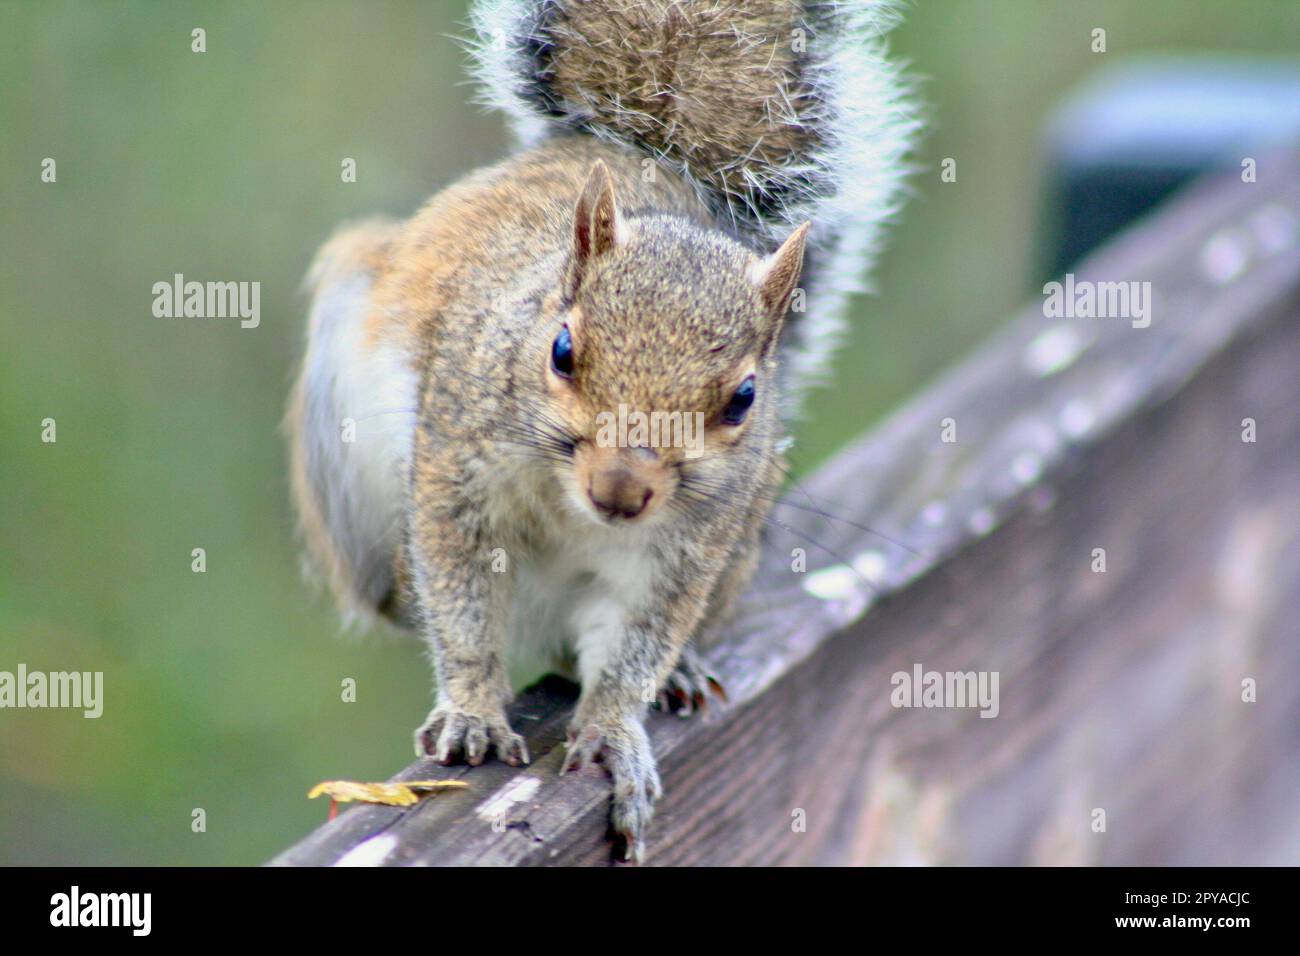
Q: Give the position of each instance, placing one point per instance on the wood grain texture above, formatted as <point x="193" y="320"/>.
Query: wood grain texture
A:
<point x="1118" y="690"/>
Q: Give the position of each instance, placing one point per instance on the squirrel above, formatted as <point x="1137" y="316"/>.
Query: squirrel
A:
<point x="641" y="249"/>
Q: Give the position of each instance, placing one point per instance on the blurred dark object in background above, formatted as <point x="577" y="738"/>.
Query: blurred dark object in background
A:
<point x="1136" y="131"/>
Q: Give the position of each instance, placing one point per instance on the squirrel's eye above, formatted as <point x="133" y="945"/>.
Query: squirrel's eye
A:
<point x="738" y="407"/>
<point x="562" y="354"/>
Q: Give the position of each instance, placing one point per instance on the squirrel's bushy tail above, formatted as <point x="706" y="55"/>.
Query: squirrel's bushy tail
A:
<point x="777" y="111"/>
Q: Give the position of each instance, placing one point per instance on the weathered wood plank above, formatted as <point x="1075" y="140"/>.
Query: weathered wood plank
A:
<point x="1118" y="690"/>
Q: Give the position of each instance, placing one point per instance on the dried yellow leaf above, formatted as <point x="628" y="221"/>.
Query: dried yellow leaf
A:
<point x="401" y="793"/>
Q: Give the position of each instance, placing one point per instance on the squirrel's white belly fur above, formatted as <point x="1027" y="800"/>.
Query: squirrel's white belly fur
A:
<point x="359" y="418"/>
<point x="575" y="579"/>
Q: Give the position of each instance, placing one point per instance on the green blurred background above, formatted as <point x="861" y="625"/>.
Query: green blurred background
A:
<point x="223" y="688"/>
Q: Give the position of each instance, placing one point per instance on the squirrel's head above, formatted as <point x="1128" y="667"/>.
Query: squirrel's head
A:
<point x="660" y="358"/>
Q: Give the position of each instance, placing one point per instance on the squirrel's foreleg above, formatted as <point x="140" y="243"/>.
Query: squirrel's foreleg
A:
<point x="609" y="722"/>
<point x="463" y="607"/>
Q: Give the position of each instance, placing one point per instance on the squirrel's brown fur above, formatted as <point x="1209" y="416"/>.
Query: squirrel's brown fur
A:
<point x="449" y="457"/>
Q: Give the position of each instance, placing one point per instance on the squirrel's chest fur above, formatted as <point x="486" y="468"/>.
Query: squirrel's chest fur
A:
<point x="573" y="581"/>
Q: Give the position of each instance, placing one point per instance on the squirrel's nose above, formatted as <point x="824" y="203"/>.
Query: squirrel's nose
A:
<point x="618" y="494"/>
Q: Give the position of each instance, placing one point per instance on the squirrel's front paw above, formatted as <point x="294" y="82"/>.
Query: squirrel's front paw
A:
<point x="624" y="750"/>
<point x="449" y="733"/>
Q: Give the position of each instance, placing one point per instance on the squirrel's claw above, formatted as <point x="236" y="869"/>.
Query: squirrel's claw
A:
<point x="450" y="734"/>
<point x="688" y="687"/>
<point x="582" y="749"/>
<point x="718" y="689"/>
<point x="632" y="850"/>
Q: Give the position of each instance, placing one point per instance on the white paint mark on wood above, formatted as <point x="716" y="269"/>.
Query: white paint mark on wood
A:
<point x="1026" y="468"/>
<point x="1054" y="351"/>
<point x="871" y="565"/>
<point x="981" y="522"/>
<point x="1077" y="419"/>
<point x="1274" y="228"/>
<point x="372" y="852"/>
<point x="934" y="514"/>
<point x="504" y="800"/>
<point x="1225" y="255"/>
<point x="843" y="588"/>
<point x="831" y="584"/>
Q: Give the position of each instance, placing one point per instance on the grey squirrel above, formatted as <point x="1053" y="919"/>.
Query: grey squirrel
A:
<point x="680" y="166"/>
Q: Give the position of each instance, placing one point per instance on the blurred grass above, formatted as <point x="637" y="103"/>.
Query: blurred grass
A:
<point x="223" y="689"/>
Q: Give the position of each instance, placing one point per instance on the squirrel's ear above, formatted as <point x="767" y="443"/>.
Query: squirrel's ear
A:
<point x="777" y="275"/>
<point x="595" y="223"/>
